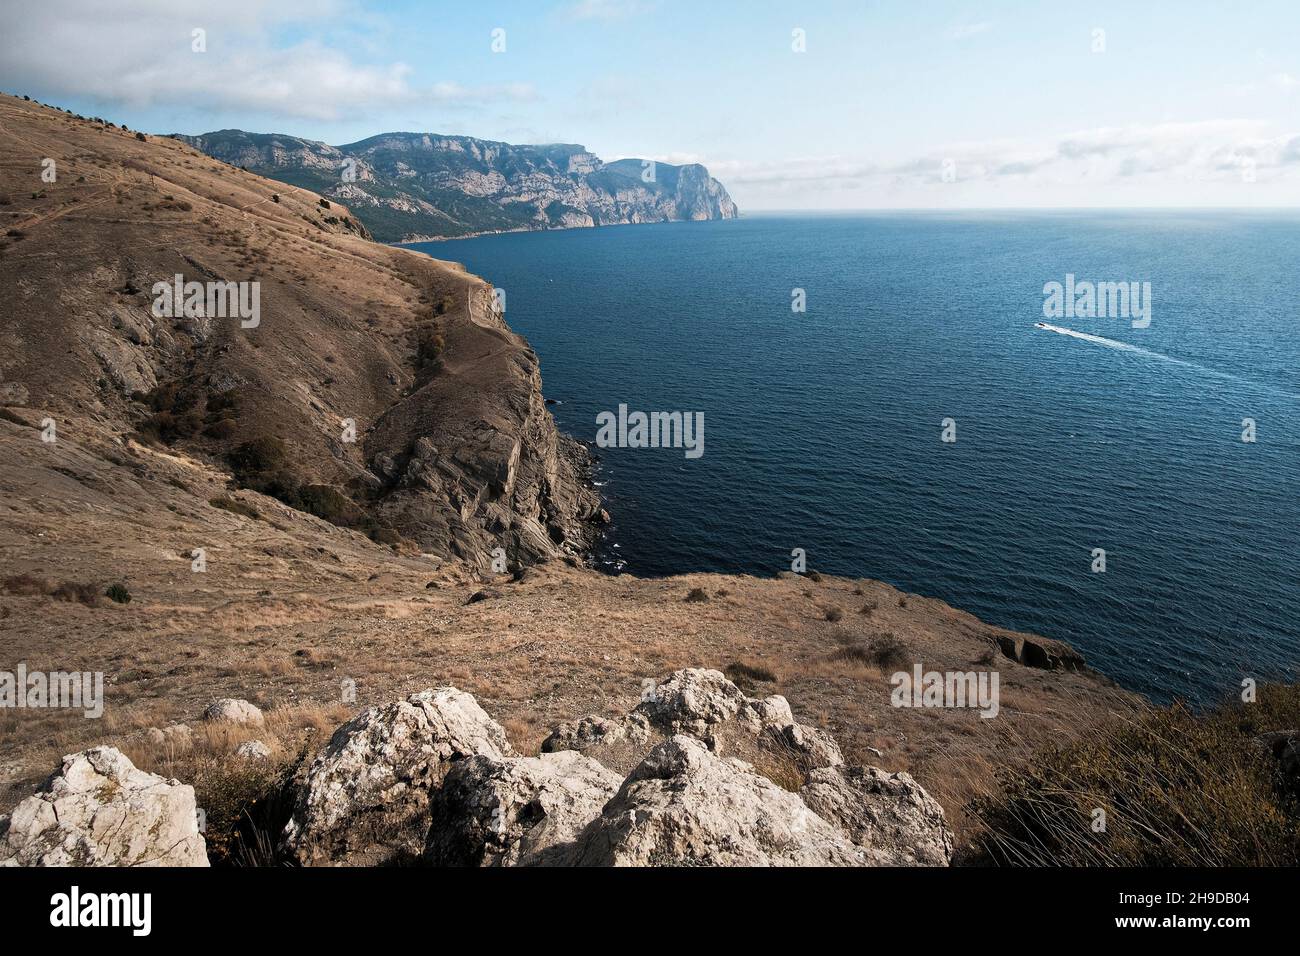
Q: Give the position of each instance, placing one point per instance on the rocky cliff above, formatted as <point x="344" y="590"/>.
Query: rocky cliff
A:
<point x="405" y="186"/>
<point x="375" y="388"/>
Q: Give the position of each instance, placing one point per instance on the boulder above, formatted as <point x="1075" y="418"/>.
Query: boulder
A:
<point x="99" y="810"/>
<point x="705" y="705"/>
<point x="516" y="811"/>
<point x="592" y="731"/>
<point x="235" y="711"/>
<point x="366" y="795"/>
<point x="684" y="806"/>
<point x="889" y="815"/>
<point x="253" y="750"/>
<point x="1041" y="652"/>
<point x="691" y="701"/>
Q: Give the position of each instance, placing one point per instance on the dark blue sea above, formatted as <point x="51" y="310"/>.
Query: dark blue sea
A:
<point x="823" y="428"/>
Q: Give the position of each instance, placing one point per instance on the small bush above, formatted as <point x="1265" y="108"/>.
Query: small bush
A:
<point x="118" y="594"/>
<point x="885" y="653"/>
<point x="25" y="585"/>
<point x="696" y="595"/>
<point x="429" y="345"/>
<point x="74" y="593"/>
<point x="834" y="614"/>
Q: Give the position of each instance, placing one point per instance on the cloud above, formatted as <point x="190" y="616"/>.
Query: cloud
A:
<point x="142" y="55"/>
<point x="1161" y="154"/>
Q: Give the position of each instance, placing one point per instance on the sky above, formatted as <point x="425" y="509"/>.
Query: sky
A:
<point x="832" y="105"/>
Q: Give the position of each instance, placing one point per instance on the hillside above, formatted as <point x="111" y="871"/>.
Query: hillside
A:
<point x="453" y="451"/>
<point x="330" y="564"/>
<point x="406" y="186"/>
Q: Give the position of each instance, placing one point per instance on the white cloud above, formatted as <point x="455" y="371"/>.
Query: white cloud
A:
<point x="142" y="55"/>
<point x="1120" y="163"/>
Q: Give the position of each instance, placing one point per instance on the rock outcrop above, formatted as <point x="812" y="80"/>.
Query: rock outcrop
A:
<point x="888" y="815"/>
<point x="366" y="796"/>
<point x="708" y="706"/>
<point x="519" y="811"/>
<point x="684" y="806"/>
<point x="99" y="810"/>
<point x="436" y="769"/>
<point x="416" y="185"/>
<point x="1041" y="652"/>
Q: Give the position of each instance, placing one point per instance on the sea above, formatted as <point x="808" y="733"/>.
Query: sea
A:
<point x="878" y="398"/>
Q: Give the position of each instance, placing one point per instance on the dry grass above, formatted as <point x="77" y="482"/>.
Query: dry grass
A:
<point x="1177" y="789"/>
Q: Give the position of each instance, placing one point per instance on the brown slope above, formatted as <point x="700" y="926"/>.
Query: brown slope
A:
<point x="455" y="453"/>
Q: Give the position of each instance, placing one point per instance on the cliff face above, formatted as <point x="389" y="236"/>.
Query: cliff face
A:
<point x="376" y="388"/>
<point x="418" y="185"/>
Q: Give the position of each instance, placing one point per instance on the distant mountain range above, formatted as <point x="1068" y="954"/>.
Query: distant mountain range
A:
<point x="411" y="186"/>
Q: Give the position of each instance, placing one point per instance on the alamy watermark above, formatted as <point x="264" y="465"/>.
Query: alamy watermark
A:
<point x="38" y="690"/>
<point x="1107" y="300"/>
<point x="217" y="300"/>
<point x="975" y="689"/>
<point x="651" y="430"/>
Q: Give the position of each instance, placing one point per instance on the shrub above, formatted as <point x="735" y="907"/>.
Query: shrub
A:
<point x="118" y="593"/>
<point x="1178" y="789"/>
<point x="889" y="653"/>
<point x="697" y="594"/>
<point x="834" y="614"/>
<point x="25" y="585"/>
<point x="263" y="465"/>
<point x="429" y="344"/>
<point x="140" y="137"/>
<point x="885" y="653"/>
<point x="72" y="592"/>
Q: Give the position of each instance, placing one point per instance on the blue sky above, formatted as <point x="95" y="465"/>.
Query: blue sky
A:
<point x="892" y="104"/>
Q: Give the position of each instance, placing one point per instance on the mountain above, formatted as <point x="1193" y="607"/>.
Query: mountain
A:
<point x="410" y="186"/>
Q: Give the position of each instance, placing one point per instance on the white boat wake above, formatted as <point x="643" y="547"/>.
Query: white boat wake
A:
<point x="1126" y="347"/>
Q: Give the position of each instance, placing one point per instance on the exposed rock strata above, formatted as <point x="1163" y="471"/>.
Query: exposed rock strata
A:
<point x="407" y="186"/>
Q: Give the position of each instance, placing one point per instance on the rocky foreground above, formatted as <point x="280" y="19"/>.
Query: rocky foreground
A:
<point x="433" y="778"/>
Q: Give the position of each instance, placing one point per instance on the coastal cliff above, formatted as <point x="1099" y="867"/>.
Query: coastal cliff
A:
<point x="410" y="186"/>
<point x="376" y="388"/>
<point x="354" y="493"/>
